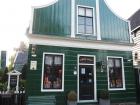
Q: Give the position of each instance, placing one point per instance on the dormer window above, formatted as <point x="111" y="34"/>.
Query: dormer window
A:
<point x="85" y="24"/>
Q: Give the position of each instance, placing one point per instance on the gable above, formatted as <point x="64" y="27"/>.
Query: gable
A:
<point x="56" y="20"/>
<point x="113" y="28"/>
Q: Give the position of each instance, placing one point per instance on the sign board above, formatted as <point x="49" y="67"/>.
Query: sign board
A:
<point x="13" y="81"/>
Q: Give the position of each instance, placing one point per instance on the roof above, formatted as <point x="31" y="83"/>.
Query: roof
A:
<point x="135" y="20"/>
<point x="21" y="60"/>
<point x="14" y="72"/>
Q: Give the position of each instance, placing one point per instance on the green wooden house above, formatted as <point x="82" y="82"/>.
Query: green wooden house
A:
<point x="79" y="45"/>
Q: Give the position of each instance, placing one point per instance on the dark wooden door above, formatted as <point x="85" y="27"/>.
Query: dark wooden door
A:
<point x="86" y="82"/>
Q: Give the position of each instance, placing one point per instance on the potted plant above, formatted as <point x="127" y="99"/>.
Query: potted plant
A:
<point x="72" y="98"/>
<point x="104" y="98"/>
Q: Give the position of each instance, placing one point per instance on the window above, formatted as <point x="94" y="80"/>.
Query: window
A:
<point x="116" y="73"/>
<point x="136" y="56"/>
<point x="85" y="20"/>
<point x="52" y="73"/>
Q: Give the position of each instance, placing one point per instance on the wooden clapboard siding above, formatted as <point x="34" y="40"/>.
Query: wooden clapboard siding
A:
<point x="70" y="80"/>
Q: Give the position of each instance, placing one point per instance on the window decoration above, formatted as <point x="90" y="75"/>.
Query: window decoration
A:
<point x="53" y="72"/>
<point x="115" y="73"/>
<point x="85" y="20"/>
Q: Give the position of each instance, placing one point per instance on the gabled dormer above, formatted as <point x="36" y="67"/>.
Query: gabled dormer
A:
<point x="82" y="19"/>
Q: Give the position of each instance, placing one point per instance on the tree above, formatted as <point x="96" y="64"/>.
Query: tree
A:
<point x="5" y="76"/>
<point x="1" y="75"/>
<point x="11" y="60"/>
<point x="23" y="71"/>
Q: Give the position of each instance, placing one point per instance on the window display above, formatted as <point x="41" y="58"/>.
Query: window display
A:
<point x="115" y="71"/>
<point x="53" y="71"/>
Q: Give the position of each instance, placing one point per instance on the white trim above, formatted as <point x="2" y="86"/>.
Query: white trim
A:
<point x="94" y="72"/>
<point x="31" y="21"/>
<point x="46" y="5"/>
<point x="98" y="20"/>
<point x="93" y="17"/>
<point x="135" y="28"/>
<point x="73" y="18"/>
<point x="52" y="90"/>
<point x="114" y="12"/>
<point x="78" y="43"/>
<point x="129" y="26"/>
<point x="123" y="75"/>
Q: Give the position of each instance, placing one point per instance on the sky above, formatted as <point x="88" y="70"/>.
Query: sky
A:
<point x="15" y="16"/>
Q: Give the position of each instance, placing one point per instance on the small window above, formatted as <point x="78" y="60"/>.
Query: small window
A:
<point x="52" y="73"/>
<point x="116" y="73"/>
<point x="136" y="55"/>
<point x="85" y="20"/>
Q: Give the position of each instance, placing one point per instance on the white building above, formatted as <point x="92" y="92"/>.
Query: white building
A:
<point x="135" y="27"/>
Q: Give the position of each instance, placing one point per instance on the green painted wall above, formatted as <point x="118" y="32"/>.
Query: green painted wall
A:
<point x="70" y="82"/>
<point x="53" y="20"/>
<point x="113" y="28"/>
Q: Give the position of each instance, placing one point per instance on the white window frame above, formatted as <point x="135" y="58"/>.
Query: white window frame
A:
<point x="52" y="90"/>
<point x="94" y="31"/>
<point x="123" y="75"/>
<point x="94" y="71"/>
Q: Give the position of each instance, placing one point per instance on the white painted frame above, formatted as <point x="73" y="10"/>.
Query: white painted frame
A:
<point x="94" y="29"/>
<point x="98" y="20"/>
<point x="78" y="43"/>
<point x="13" y="73"/>
<point x="123" y="76"/>
<point x="94" y="72"/>
<point x="52" y="90"/>
<point x="73" y="18"/>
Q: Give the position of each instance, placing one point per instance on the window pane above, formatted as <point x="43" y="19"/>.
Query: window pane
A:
<point x="81" y="28"/>
<point x="48" y="60"/>
<point x="81" y="11"/>
<point x="118" y="62"/>
<point x="110" y="62"/>
<point x="81" y="20"/>
<point x="58" y="60"/>
<point x="89" y="21"/>
<point x="89" y="12"/>
<point x="89" y="29"/>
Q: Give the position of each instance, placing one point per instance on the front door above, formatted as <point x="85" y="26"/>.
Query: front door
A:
<point x="86" y="78"/>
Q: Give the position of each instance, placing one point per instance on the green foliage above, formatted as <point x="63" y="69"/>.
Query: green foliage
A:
<point x="24" y="69"/>
<point x="1" y="75"/>
<point x="11" y="60"/>
<point x="3" y="86"/>
<point x="104" y="94"/>
<point x="72" y="96"/>
<point x="22" y="84"/>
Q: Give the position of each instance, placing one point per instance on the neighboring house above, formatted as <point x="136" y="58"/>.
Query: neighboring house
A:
<point x="20" y="60"/>
<point x="79" y="45"/>
<point x="135" y="27"/>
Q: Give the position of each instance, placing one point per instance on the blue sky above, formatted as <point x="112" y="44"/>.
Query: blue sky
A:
<point x="15" y="18"/>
